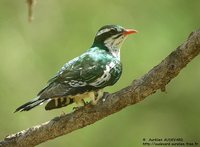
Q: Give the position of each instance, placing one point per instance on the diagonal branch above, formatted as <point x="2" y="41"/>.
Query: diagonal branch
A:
<point x="157" y="78"/>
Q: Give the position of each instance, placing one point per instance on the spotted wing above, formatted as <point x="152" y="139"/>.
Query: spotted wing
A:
<point x="84" y="73"/>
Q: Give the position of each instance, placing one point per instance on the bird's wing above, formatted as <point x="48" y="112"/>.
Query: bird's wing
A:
<point x="84" y="73"/>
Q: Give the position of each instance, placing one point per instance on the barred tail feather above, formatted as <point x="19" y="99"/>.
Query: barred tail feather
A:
<point x="58" y="103"/>
<point x="31" y="104"/>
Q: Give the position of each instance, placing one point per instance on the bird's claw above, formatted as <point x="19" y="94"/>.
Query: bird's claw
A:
<point x="76" y="108"/>
<point x="105" y="94"/>
<point x="63" y="113"/>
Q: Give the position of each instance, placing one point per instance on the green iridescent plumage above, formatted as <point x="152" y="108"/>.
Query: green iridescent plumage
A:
<point x="80" y="74"/>
<point x="87" y="74"/>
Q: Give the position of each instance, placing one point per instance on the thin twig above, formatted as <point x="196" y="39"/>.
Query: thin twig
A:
<point x="31" y="4"/>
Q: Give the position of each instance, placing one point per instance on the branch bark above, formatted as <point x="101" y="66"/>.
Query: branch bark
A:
<point x="157" y="78"/>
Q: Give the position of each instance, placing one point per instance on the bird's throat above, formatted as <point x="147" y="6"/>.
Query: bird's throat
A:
<point x="115" y="53"/>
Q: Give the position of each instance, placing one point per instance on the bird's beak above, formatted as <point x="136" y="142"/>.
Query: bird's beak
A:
<point x="129" y="31"/>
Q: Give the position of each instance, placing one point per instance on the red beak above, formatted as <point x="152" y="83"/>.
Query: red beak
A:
<point x="129" y="31"/>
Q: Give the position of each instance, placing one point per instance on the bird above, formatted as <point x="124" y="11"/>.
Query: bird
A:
<point x="86" y="75"/>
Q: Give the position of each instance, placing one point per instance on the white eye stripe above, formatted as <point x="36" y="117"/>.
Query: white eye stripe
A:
<point x="118" y="29"/>
<point x="116" y="36"/>
<point x="103" y="31"/>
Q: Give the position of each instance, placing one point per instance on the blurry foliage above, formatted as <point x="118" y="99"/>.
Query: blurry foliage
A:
<point x="31" y="53"/>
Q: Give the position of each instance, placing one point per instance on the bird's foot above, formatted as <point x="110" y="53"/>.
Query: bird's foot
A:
<point x="76" y="108"/>
<point x="98" y="95"/>
<point x="84" y="103"/>
<point x="63" y="113"/>
<point x="94" y="101"/>
<point x="105" y="95"/>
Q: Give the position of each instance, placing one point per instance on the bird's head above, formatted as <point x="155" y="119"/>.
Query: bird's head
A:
<point x="111" y="37"/>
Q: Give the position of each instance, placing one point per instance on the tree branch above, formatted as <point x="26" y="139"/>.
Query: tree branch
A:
<point x="30" y="4"/>
<point x="157" y="78"/>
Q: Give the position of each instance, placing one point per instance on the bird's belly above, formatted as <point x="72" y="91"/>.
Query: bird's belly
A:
<point x="78" y="98"/>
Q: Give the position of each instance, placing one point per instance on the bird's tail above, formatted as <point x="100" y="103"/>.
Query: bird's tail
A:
<point x="58" y="103"/>
<point x="31" y="104"/>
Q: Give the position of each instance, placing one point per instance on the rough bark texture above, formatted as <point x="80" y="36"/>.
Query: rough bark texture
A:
<point x="157" y="78"/>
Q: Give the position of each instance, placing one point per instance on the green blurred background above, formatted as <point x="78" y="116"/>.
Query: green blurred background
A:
<point x="31" y="53"/>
